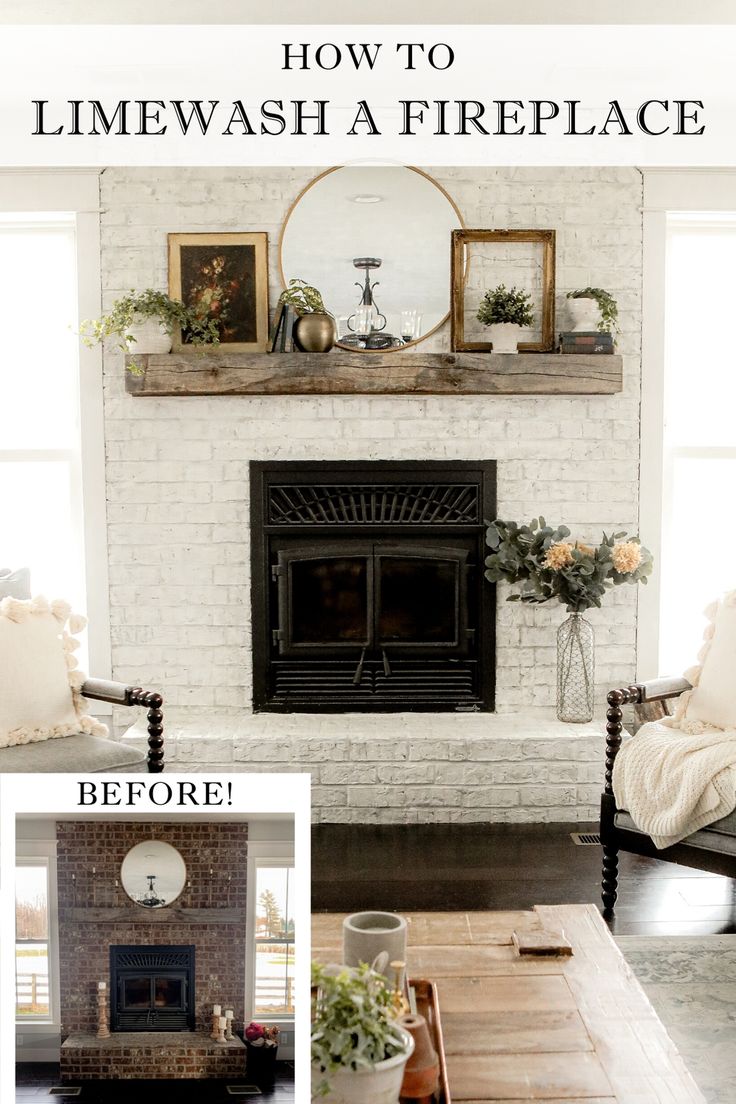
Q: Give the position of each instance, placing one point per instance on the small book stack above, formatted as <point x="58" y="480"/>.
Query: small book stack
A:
<point x="282" y="330"/>
<point x="584" y="342"/>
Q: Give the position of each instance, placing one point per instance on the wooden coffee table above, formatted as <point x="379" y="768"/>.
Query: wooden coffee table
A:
<point x="574" y="1030"/>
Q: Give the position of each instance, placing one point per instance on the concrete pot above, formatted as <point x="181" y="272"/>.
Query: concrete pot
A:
<point x="379" y="1085"/>
<point x="504" y="337"/>
<point x="585" y="314"/>
<point x="150" y="337"/>
<point x="366" y="934"/>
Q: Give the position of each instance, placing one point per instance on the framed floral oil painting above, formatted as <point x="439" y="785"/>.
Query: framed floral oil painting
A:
<point x="223" y="277"/>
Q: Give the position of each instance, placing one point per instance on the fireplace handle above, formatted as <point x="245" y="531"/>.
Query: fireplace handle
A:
<point x="357" y="677"/>
<point x="386" y="665"/>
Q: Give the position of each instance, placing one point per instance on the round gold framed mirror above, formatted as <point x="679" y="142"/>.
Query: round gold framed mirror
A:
<point x="375" y="241"/>
<point x="153" y="874"/>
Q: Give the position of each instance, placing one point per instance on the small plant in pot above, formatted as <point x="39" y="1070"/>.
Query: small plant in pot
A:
<point x="315" y="330"/>
<point x="144" y="321"/>
<point x="359" y="1052"/>
<point x="505" y="311"/>
<point x="592" y="309"/>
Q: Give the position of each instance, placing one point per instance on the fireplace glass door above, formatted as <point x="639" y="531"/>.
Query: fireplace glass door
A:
<point x="153" y="992"/>
<point x="340" y="596"/>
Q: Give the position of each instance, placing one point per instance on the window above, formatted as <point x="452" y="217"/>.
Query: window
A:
<point x="274" y="941"/>
<point x="40" y="461"/>
<point x="32" y="942"/>
<point x="699" y="443"/>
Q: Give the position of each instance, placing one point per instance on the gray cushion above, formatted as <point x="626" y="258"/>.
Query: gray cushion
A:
<point x="719" y="836"/>
<point x="15" y="584"/>
<point x="71" y="754"/>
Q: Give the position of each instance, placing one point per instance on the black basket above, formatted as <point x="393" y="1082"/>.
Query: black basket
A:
<point x="260" y="1064"/>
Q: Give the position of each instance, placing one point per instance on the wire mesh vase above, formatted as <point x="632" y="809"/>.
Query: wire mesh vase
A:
<point x="575" y="669"/>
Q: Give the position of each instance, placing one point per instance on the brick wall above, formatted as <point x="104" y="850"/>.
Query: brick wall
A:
<point x="84" y="945"/>
<point x="177" y="469"/>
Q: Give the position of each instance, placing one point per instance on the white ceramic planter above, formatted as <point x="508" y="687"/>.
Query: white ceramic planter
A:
<point x="504" y="337"/>
<point x="379" y="1085"/>
<point x="366" y="934"/>
<point x="150" y="337"/>
<point x="585" y="314"/>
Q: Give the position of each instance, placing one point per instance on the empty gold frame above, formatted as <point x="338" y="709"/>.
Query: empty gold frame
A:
<point x="460" y="268"/>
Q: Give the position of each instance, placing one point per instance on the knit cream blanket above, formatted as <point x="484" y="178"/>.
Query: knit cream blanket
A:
<point x="673" y="783"/>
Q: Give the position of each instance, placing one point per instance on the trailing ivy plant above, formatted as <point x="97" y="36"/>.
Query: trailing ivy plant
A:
<point x="551" y="567"/>
<point x="304" y="298"/>
<point x="606" y="303"/>
<point x="352" y="1021"/>
<point x="136" y="307"/>
<point x="506" y="305"/>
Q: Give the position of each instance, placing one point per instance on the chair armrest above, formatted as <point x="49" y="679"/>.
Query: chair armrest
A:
<point x="120" y="694"/>
<point x="658" y="689"/>
<point x="661" y="688"/>
<point x="106" y="690"/>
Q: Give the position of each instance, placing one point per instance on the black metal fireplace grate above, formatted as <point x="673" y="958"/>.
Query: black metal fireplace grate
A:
<point x="368" y="590"/>
<point x="152" y="988"/>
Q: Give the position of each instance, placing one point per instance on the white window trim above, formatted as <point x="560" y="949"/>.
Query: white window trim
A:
<point x="43" y="853"/>
<point x="262" y="853"/>
<point x="79" y="193"/>
<point x="664" y="190"/>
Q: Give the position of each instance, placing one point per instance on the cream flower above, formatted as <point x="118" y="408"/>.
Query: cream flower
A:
<point x="558" y="555"/>
<point x="585" y="549"/>
<point x="626" y="557"/>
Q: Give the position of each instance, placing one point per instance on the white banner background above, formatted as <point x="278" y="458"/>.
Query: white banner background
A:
<point x="593" y="64"/>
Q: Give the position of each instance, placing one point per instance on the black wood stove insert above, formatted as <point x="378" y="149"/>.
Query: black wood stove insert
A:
<point x="152" y="988"/>
<point x="368" y="588"/>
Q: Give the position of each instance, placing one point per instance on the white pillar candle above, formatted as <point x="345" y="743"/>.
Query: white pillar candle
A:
<point x="217" y="1010"/>
<point x="229" y="1013"/>
<point x="223" y="1021"/>
<point x="102" y="985"/>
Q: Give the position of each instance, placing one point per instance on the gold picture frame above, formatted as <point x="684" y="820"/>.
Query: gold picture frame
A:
<point x="225" y="276"/>
<point x="458" y="276"/>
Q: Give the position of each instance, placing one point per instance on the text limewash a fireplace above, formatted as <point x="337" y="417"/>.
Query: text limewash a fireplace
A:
<point x="368" y="587"/>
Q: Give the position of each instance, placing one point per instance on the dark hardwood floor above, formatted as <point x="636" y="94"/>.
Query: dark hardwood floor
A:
<point x="35" y="1079"/>
<point x="507" y="866"/>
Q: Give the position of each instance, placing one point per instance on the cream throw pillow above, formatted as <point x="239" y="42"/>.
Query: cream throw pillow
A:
<point x="39" y="680"/>
<point x="712" y="701"/>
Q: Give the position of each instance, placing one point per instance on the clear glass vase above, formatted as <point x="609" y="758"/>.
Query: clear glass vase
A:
<point x="575" y="669"/>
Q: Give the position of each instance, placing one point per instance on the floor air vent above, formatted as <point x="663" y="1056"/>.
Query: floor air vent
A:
<point x="585" y="839"/>
<point x="243" y="1090"/>
<point x="66" y="1090"/>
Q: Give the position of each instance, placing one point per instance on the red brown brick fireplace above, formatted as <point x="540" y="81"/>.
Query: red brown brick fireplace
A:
<point x="100" y="925"/>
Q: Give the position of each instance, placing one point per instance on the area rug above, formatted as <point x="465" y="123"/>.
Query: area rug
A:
<point x="691" y="982"/>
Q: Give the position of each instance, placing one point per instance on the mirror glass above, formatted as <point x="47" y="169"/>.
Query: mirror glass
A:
<point x="375" y="241"/>
<point x="153" y="874"/>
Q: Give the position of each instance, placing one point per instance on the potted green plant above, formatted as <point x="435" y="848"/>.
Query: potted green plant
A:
<point x="315" y="330"/>
<point x="359" y="1052"/>
<point x="505" y="311"/>
<point x="144" y="322"/>
<point x="593" y="309"/>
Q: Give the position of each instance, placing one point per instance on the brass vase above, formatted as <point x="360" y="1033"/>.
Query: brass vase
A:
<point x="315" y="333"/>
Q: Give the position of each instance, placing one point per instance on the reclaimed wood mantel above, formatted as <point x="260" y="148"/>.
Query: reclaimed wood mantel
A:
<point x="394" y="372"/>
<point x="170" y="915"/>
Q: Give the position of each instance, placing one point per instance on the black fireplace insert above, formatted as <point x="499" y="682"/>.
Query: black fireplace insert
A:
<point x="152" y="988"/>
<point x="368" y="588"/>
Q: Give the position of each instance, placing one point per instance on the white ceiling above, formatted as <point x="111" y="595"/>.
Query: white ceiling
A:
<point x="377" y="11"/>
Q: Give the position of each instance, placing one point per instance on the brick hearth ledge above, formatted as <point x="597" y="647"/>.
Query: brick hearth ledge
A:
<point x="405" y="768"/>
<point x="151" y="1055"/>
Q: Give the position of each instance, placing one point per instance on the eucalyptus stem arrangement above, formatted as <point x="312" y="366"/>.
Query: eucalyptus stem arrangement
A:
<point x="551" y="567"/>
